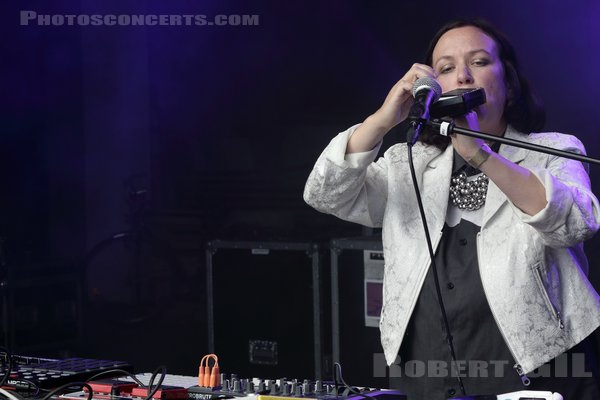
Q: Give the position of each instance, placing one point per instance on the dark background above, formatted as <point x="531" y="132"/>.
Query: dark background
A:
<point x="222" y="125"/>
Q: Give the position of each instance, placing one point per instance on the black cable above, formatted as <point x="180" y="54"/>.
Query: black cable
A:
<point x="336" y="380"/>
<point x="337" y="367"/>
<point x="163" y="371"/>
<point x="122" y="371"/>
<point x="34" y="385"/>
<point x="62" y="388"/>
<point x="8" y="359"/>
<point x="435" y="272"/>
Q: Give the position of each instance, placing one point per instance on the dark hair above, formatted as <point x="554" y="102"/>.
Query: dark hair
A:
<point x="523" y="110"/>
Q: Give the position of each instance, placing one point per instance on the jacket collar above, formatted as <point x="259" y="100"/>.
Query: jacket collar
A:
<point x="512" y="153"/>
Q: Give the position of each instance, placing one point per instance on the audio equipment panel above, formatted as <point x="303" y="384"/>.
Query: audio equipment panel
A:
<point x="30" y="373"/>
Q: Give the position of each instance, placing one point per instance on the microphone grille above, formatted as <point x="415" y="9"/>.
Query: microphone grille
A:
<point x="427" y="82"/>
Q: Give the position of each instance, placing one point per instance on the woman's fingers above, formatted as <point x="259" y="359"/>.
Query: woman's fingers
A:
<point x="397" y="104"/>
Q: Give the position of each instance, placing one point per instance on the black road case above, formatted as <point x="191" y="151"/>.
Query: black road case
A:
<point x="264" y="308"/>
<point x="356" y="284"/>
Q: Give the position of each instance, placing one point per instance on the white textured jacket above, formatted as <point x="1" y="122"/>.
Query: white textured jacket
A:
<point x="533" y="268"/>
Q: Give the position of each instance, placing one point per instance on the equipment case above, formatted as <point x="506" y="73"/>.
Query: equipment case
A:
<point x="355" y="309"/>
<point x="264" y="308"/>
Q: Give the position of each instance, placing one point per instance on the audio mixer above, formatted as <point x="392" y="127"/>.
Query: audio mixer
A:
<point x="279" y="389"/>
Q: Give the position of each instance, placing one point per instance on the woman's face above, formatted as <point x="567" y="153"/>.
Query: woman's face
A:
<point x="467" y="58"/>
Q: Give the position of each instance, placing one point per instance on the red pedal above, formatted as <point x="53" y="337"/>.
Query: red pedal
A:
<point x="112" y="387"/>
<point x="164" y="393"/>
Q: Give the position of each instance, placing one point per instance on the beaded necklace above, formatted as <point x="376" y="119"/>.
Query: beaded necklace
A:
<point x="469" y="194"/>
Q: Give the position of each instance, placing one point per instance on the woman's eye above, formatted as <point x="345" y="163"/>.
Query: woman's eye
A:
<point x="445" y="69"/>
<point x="480" y="62"/>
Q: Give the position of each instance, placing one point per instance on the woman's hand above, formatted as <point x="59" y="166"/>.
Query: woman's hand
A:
<point x="399" y="100"/>
<point x="467" y="146"/>
<point x="394" y="110"/>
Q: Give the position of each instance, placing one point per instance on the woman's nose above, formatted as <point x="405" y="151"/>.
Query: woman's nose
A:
<point x="464" y="76"/>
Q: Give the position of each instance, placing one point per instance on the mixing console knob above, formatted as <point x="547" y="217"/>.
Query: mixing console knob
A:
<point x="261" y="386"/>
<point x="298" y="391"/>
<point x="330" y="389"/>
<point x="319" y="386"/>
<point x="306" y="387"/>
<point x="285" y="389"/>
<point x="237" y="386"/>
<point x="268" y="384"/>
<point x="280" y="382"/>
<point x="225" y="385"/>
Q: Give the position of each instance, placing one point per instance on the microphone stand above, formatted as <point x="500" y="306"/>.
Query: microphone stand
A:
<point x="447" y="128"/>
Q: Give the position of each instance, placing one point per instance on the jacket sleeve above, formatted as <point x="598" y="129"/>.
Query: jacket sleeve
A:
<point x="572" y="214"/>
<point x="350" y="186"/>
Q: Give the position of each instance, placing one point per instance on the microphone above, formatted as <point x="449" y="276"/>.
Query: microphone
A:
<point x="426" y="91"/>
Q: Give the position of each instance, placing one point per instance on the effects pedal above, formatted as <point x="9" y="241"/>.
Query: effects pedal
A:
<point x="112" y="387"/>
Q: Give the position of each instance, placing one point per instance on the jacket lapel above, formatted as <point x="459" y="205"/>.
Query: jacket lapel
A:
<point x="495" y="198"/>
<point x="439" y="169"/>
